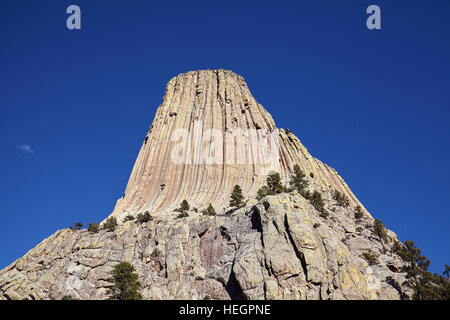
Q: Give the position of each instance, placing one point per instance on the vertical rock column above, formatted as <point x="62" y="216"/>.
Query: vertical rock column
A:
<point x="204" y="104"/>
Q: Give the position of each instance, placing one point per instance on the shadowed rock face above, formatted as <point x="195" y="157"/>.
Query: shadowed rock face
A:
<point x="277" y="248"/>
<point x="217" y="103"/>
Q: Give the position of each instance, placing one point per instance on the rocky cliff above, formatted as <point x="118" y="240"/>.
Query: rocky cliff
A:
<point x="177" y="160"/>
<point x="208" y="135"/>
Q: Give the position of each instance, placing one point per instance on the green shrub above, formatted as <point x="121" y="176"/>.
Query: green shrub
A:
<point x="298" y="181"/>
<point x="110" y="224"/>
<point x="341" y="199"/>
<point x="94" y="227"/>
<point x="209" y="211"/>
<point x="144" y="217"/>
<point x="274" y="183"/>
<point x="306" y="194"/>
<point x="371" y="257"/>
<point x="316" y="225"/>
<point x="273" y="186"/>
<point x="128" y="218"/>
<point x="380" y="230"/>
<point x="183" y="215"/>
<point x="262" y="192"/>
<point x="358" y="212"/>
<point x="67" y="297"/>
<point x="126" y="285"/>
<point x="396" y="247"/>
<point x="317" y="202"/>
<point x="76" y="226"/>
<point x="184" y="206"/>
<point x="311" y="175"/>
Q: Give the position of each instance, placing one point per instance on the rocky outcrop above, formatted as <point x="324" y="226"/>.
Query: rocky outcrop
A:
<point x="213" y="105"/>
<point x="280" y="247"/>
<point x="277" y="248"/>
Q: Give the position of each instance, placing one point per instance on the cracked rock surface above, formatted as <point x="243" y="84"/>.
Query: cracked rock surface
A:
<point x="277" y="248"/>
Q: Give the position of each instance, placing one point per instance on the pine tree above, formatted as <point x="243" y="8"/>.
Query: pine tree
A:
<point x="358" y="212"/>
<point x="371" y="257"/>
<point x="317" y="202"/>
<point x="76" y="226"/>
<point x="94" y="227"/>
<point x="380" y="230"/>
<point x="447" y="271"/>
<point x="144" y="217"/>
<point x="425" y="285"/>
<point x="274" y="183"/>
<point x="125" y="283"/>
<point x="128" y="218"/>
<point x="298" y="180"/>
<point x="110" y="224"/>
<point x="262" y="192"/>
<point x="184" y="206"/>
<point x="273" y="186"/>
<point x="237" y="198"/>
<point x="209" y="211"/>
<point x="341" y="199"/>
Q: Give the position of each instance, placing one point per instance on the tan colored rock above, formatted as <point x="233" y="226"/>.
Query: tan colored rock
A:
<point x="200" y="101"/>
<point x="276" y="248"/>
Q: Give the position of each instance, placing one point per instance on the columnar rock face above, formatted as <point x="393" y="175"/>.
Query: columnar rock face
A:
<point x="279" y="247"/>
<point x="213" y="105"/>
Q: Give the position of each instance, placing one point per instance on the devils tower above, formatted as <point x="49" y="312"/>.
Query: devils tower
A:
<point x="198" y="102"/>
<point x="208" y="135"/>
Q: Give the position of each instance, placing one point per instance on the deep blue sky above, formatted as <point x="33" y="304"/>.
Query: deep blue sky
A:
<point x="375" y="105"/>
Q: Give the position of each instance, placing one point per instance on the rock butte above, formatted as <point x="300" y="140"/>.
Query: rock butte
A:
<point x="218" y="99"/>
<point x="276" y="248"/>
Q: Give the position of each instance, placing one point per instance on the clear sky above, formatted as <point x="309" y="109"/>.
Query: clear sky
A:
<point x="76" y="105"/>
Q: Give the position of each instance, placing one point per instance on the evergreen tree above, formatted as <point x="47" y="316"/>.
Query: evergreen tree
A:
<point x="274" y="183"/>
<point x="94" y="227"/>
<point x="209" y="211"/>
<point x="110" y="224"/>
<point x="183" y="215"/>
<point x="317" y="202"/>
<point x="125" y="283"/>
<point x="237" y="199"/>
<point x="341" y="199"/>
<point x="128" y="218"/>
<point x="76" y="226"/>
<point x="144" y="217"/>
<point x="371" y="257"/>
<point x="262" y="192"/>
<point x="273" y="186"/>
<point x="426" y="286"/>
<point x="184" y="206"/>
<point x="358" y="212"/>
<point x="447" y="271"/>
<point x="298" y="180"/>
<point x="380" y="230"/>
